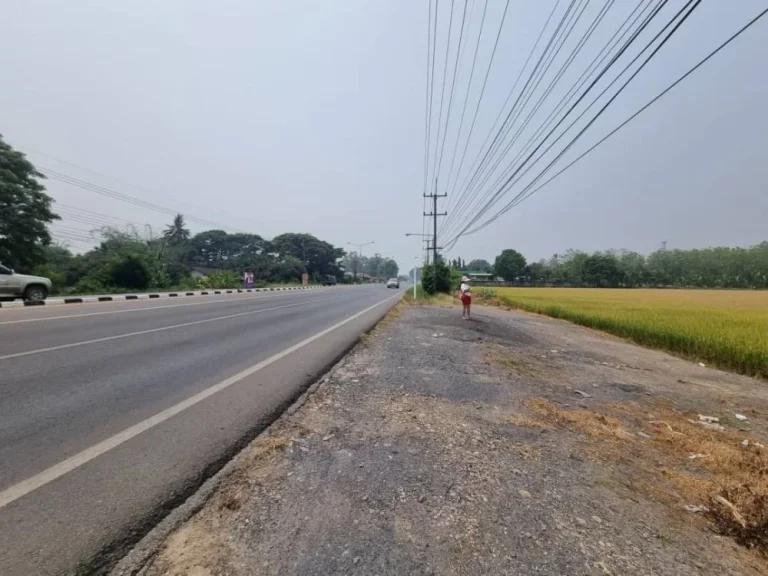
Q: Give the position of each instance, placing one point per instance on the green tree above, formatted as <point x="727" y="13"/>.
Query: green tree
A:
<point x="479" y="266"/>
<point x="25" y="211"/>
<point x="537" y="272"/>
<point x="176" y="233"/>
<point x="509" y="264"/>
<point x="290" y="269"/>
<point x="320" y="258"/>
<point x="602" y="270"/>
<point x="389" y="268"/>
<point x="374" y="266"/>
<point x="633" y="268"/>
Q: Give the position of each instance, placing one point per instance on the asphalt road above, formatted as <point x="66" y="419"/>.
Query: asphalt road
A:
<point x="111" y="414"/>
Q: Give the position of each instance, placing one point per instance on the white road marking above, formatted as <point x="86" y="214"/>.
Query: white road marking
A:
<point x="152" y="330"/>
<point x="65" y="466"/>
<point x="196" y="303"/>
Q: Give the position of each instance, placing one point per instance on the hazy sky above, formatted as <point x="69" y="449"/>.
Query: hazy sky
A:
<point x="308" y="116"/>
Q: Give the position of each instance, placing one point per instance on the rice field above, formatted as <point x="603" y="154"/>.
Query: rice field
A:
<point x="726" y="328"/>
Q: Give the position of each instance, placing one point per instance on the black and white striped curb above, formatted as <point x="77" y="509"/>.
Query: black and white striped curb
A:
<point x="147" y="296"/>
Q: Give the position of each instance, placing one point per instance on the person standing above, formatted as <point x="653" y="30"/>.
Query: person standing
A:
<point x="465" y="295"/>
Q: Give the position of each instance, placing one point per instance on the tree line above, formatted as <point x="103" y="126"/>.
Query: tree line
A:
<point x="376" y="266"/>
<point x="178" y="258"/>
<point x="720" y="267"/>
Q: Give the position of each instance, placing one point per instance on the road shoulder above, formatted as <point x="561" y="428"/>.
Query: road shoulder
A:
<point x="511" y="444"/>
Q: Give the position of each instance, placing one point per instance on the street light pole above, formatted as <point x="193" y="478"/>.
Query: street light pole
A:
<point x="415" y="277"/>
<point x="360" y="250"/>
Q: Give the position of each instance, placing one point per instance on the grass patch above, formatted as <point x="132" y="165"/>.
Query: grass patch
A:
<point x="424" y="299"/>
<point x="726" y="328"/>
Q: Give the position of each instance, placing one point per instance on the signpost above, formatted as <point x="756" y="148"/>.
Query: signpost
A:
<point x="305" y="279"/>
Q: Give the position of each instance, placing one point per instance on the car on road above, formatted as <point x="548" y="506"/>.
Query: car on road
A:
<point x="329" y="280"/>
<point x="30" y="288"/>
<point x="393" y="283"/>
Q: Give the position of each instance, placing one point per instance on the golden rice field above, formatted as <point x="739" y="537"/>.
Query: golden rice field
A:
<point x="721" y="327"/>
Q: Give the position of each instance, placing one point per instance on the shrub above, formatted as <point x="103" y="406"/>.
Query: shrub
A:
<point x="130" y="272"/>
<point x="88" y="285"/>
<point x="436" y="278"/>
<point x="223" y="279"/>
<point x="486" y="293"/>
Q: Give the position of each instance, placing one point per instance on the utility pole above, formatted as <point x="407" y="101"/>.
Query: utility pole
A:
<point x="434" y="215"/>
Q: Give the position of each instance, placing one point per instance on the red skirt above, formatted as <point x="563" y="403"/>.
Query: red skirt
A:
<point x="466" y="299"/>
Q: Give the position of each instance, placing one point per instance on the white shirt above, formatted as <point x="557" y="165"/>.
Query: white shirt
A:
<point x="465" y="288"/>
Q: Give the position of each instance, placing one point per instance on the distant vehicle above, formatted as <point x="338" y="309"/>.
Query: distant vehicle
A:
<point x="393" y="283"/>
<point x="30" y="288"/>
<point x="329" y="280"/>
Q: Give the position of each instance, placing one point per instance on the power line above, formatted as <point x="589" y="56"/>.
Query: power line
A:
<point x="442" y="90"/>
<point x="505" y="186"/>
<point x="453" y="86"/>
<point x="590" y="30"/>
<point x="594" y="118"/>
<point x="428" y="104"/>
<point x="509" y="96"/>
<point x="614" y="41"/>
<point x="104" y="191"/>
<point x="485" y="81"/>
<point x="469" y="85"/>
<point x="530" y="190"/>
<point x="475" y="183"/>
<point x="109" y="177"/>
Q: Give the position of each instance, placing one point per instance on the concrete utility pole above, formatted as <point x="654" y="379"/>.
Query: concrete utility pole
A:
<point x="434" y="215"/>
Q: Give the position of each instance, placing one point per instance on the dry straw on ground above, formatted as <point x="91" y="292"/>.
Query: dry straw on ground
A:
<point x="724" y="473"/>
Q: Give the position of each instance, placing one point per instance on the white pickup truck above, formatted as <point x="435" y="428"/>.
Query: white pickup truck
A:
<point x="30" y="288"/>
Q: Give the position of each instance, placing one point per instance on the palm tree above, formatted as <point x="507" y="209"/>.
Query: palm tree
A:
<point x="176" y="233"/>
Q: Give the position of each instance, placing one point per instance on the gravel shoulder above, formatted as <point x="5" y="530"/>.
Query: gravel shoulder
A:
<point x="509" y="444"/>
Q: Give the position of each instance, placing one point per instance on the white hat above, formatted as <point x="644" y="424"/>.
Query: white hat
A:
<point x="464" y="279"/>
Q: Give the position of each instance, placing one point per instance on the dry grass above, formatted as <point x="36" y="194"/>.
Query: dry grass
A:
<point x="707" y="467"/>
<point x="591" y="423"/>
<point x="527" y="422"/>
<point x="735" y="488"/>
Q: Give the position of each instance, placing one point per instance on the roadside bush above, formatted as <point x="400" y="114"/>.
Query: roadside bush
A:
<point x="187" y="283"/>
<point x="58" y="279"/>
<point x="130" y="272"/>
<point x="436" y="278"/>
<point x="88" y="285"/>
<point x="486" y="293"/>
<point x="223" y="279"/>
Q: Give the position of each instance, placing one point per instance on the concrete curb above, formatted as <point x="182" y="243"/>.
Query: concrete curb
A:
<point x="147" y="296"/>
<point x="138" y="559"/>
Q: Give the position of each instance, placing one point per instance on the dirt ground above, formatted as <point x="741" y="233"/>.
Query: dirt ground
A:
<point x="509" y="444"/>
